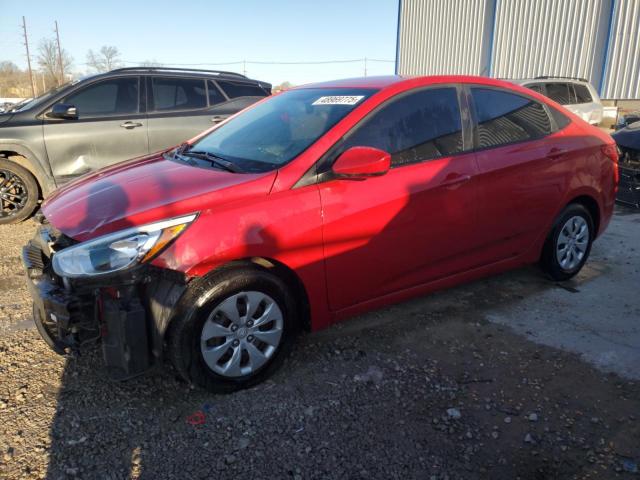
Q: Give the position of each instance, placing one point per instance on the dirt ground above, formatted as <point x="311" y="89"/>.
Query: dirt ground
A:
<point x="455" y="385"/>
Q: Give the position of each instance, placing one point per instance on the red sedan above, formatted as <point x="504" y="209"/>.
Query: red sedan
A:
<point x="322" y="202"/>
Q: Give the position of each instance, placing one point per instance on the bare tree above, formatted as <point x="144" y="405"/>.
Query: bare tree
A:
<point x="105" y="60"/>
<point x="14" y="82"/>
<point x="48" y="61"/>
<point x="151" y="63"/>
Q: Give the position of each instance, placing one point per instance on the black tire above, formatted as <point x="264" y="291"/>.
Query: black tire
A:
<point x="28" y="189"/>
<point x="549" y="261"/>
<point x="193" y="310"/>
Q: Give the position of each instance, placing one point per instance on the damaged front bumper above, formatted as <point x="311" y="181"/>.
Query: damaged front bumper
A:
<point x="127" y="313"/>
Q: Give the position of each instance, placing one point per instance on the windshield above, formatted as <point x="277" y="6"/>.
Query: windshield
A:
<point x="27" y="104"/>
<point x="274" y="132"/>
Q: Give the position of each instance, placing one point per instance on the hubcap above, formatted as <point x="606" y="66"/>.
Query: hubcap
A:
<point x="572" y="243"/>
<point x="241" y="334"/>
<point x="13" y="194"/>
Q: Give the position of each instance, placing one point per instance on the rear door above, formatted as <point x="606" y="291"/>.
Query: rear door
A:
<point x="182" y="107"/>
<point x="178" y="109"/>
<point x="519" y="184"/>
<point x="417" y="222"/>
<point x="111" y="127"/>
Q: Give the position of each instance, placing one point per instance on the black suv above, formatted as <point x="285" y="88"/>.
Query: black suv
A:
<point x="107" y="118"/>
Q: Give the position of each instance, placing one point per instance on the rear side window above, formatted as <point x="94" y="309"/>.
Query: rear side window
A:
<point x="118" y="96"/>
<point x="561" y="93"/>
<point x="241" y="89"/>
<point x="170" y="93"/>
<point x="583" y="95"/>
<point x="504" y="118"/>
<point x="215" y="95"/>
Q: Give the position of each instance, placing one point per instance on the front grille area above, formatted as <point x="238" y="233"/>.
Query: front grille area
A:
<point x="33" y="257"/>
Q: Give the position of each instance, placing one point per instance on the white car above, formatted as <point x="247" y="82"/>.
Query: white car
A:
<point x="576" y="94"/>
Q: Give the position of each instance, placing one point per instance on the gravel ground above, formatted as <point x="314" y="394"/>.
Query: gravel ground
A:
<point x="425" y="389"/>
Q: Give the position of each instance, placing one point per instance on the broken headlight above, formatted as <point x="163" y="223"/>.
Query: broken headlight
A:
<point x="120" y="250"/>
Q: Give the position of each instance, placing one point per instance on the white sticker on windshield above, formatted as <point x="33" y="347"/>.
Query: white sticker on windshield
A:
<point x="339" y="100"/>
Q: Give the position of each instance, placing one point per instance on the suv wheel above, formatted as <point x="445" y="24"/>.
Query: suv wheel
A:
<point x="569" y="243"/>
<point x="234" y="330"/>
<point x="18" y="193"/>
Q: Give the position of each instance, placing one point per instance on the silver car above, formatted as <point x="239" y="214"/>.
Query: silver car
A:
<point x="576" y="94"/>
<point x="107" y="118"/>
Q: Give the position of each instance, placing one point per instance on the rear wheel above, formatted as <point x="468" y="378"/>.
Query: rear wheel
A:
<point x="233" y="330"/>
<point x="569" y="243"/>
<point x="18" y="193"/>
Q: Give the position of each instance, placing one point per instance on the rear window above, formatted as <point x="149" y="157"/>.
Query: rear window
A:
<point x="583" y="95"/>
<point x="504" y="118"/>
<point x="171" y="93"/>
<point x="241" y="89"/>
<point x="215" y="95"/>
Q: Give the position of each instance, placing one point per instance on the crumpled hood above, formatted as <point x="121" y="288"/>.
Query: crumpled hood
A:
<point x="143" y="191"/>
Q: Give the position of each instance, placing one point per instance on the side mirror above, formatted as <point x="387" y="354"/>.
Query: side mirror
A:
<point x="65" y="111"/>
<point x="358" y="163"/>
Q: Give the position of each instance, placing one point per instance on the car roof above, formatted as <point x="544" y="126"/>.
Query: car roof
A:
<point x="192" y="72"/>
<point x="382" y="82"/>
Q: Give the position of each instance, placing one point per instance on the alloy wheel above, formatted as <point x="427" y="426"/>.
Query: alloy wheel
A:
<point x="573" y="242"/>
<point x="241" y="334"/>
<point x="13" y="194"/>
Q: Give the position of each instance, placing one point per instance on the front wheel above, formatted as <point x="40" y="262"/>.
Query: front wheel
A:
<point x="569" y="243"/>
<point x="233" y="330"/>
<point x="18" y="193"/>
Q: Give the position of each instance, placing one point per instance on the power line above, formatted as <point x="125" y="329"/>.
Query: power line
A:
<point x="262" y="62"/>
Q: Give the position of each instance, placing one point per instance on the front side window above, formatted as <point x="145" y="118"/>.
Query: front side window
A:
<point x="536" y="87"/>
<point x="272" y="133"/>
<point x="503" y="118"/>
<point x="118" y="96"/>
<point x="241" y="89"/>
<point x="419" y="126"/>
<point x="172" y="93"/>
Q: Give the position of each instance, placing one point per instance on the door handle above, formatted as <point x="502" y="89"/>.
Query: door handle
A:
<point x="218" y="118"/>
<point x="455" y="179"/>
<point x="130" y="125"/>
<point x="555" y="153"/>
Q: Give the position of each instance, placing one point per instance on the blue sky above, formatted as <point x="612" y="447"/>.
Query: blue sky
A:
<point x="174" y="32"/>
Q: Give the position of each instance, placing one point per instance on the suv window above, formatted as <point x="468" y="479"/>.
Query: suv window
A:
<point x="504" y="117"/>
<point x="583" y="95"/>
<point x="241" y="89"/>
<point x="215" y="95"/>
<point x="117" y="96"/>
<point x="172" y="93"/>
<point x="416" y="127"/>
<point x="536" y="87"/>
<point x="561" y="93"/>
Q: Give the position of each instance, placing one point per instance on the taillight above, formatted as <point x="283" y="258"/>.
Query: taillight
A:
<point x="611" y="151"/>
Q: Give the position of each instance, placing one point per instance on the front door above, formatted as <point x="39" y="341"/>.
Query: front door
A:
<point x="417" y="222"/>
<point x="110" y="128"/>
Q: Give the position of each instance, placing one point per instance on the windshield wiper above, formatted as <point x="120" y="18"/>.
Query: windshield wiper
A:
<point x="214" y="159"/>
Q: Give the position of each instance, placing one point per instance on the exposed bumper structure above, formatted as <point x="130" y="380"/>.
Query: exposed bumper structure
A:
<point x="127" y="313"/>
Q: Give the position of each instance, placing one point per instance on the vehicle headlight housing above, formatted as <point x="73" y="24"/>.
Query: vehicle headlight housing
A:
<point x="120" y="250"/>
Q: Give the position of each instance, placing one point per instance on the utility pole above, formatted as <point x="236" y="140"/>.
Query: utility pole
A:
<point x="26" y="44"/>
<point x="59" y="55"/>
<point x="244" y="67"/>
<point x="365" y="66"/>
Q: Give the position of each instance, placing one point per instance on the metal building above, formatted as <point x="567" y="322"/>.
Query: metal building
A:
<point x="594" y="39"/>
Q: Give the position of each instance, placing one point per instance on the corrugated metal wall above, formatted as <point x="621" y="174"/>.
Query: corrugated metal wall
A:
<point x="550" y="37"/>
<point x="595" y="39"/>
<point x="439" y="37"/>
<point x="622" y="74"/>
